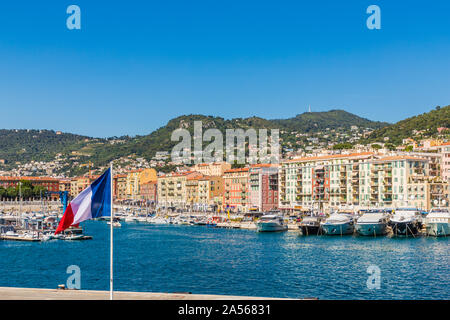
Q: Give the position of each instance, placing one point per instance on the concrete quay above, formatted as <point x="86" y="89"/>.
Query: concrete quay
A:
<point x="11" y="293"/>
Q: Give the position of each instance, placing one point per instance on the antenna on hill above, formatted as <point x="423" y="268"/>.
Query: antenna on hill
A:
<point x="309" y="108"/>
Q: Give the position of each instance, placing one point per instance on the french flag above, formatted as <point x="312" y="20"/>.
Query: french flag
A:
<point x="92" y="202"/>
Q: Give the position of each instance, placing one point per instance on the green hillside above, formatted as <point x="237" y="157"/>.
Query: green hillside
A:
<point x="159" y="140"/>
<point x="43" y="145"/>
<point x="314" y="121"/>
<point x="39" y="145"/>
<point x="421" y="126"/>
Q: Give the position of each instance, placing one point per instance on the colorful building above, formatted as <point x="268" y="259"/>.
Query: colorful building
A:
<point x="210" y="192"/>
<point x="64" y="185"/>
<point x="78" y="184"/>
<point x="149" y="191"/>
<point x="263" y="187"/>
<point x="236" y="190"/>
<point x="444" y="150"/>
<point x="212" y="169"/>
<point x="172" y="189"/>
<point x="352" y="180"/>
<point x="426" y="192"/>
<point x="137" y="177"/>
<point x="320" y="181"/>
<point x="120" y="187"/>
<point x="51" y="184"/>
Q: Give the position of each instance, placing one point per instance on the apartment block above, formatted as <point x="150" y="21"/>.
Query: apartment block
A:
<point x="358" y="180"/>
<point x="427" y="192"/>
<point x="444" y="149"/>
<point x="236" y="190"/>
<point x="172" y="190"/>
<point x="149" y="191"/>
<point x="210" y="191"/>
<point x="78" y="184"/>
<point x="51" y="184"/>
<point x="212" y="169"/>
<point x="64" y="185"/>
<point x="263" y="187"/>
<point x="321" y="182"/>
<point x="120" y="187"/>
<point x="137" y="177"/>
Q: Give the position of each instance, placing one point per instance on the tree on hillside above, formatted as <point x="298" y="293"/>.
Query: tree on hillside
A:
<point x="376" y="146"/>
<point x="341" y="146"/>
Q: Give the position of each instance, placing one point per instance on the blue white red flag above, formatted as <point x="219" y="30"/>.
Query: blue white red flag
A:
<point x="92" y="202"/>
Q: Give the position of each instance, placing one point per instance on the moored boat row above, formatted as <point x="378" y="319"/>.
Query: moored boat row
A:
<point x="379" y="222"/>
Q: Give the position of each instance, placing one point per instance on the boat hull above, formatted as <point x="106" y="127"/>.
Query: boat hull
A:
<point x="407" y="228"/>
<point x="309" y="230"/>
<point x="337" y="229"/>
<point x="270" y="227"/>
<point x="371" y="229"/>
<point x="438" y="229"/>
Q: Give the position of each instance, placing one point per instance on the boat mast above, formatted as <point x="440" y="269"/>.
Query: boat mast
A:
<point x="20" y="199"/>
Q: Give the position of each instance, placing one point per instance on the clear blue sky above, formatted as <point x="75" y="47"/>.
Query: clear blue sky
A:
<point x="136" y="64"/>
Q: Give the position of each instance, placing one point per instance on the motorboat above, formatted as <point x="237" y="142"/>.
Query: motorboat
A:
<point x="130" y="219"/>
<point x="373" y="223"/>
<point x="73" y="237"/>
<point x="11" y="233"/>
<point x="310" y="225"/>
<point x="141" y="219"/>
<point x="247" y="223"/>
<point x="157" y="220"/>
<point x="271" y="223"/>
<point x="338" y="224"/>
<point x="115" y="224"/>
<point x="438" y="222"/>
<point x="406" y="221"/>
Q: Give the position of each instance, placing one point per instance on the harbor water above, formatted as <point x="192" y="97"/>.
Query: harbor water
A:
<point x="199" y="259"/>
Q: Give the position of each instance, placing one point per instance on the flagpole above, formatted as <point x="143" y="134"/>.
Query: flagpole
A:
<point x="111" y="238"/>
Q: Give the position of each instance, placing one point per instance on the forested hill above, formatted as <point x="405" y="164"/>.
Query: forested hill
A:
<point x="26" y="145"/>
<point x="43" y="145"/>
<point x="421" y="126"/>
<point x="315" y="121"/>
<point x="309" y="122"/>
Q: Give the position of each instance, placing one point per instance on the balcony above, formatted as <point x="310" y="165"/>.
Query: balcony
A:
<point x="387" y="190"/>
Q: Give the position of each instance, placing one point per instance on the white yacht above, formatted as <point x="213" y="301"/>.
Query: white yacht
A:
<point x="141" y="219"/>
<point x="406" y="221"/>
<point x="115" y="224"/>
<point x="11" y="234"/>
<point x="130" y="219"/>
<point x="271" y="223"/>
<point x="338" y="224"/>
<point x="373" y="223"/>
<point x="157" y="220"/>
<point x="438" y="222"/>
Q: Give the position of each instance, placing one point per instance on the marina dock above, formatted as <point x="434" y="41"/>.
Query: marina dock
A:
<point x="5" y="237"/>
<point x="11" y="293"/>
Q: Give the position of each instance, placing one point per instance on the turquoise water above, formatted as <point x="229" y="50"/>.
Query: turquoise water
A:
<point x="198" y="259"/>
